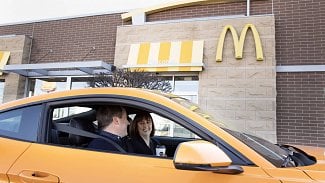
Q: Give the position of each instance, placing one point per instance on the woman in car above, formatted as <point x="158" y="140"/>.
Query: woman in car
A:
<point x="142" y="129"/>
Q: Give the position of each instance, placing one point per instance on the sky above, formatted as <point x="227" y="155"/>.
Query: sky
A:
<point x="20" y="11"/>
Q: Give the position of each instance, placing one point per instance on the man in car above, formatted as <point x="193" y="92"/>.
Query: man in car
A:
<point x="112" y="125"/>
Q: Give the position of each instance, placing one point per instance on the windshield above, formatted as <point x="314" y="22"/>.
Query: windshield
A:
<point x="273" y="153"/>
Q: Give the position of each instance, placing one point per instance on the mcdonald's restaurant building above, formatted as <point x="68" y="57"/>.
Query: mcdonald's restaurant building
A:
<point x="257" y="65"/>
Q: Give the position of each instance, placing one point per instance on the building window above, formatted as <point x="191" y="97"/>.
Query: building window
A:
<point x="46" y="85"/>
<point x="185" y="86"/>
<point x="79" y="82"/>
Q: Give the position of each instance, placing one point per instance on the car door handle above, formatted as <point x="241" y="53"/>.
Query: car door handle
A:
<point x="37" y="177"/>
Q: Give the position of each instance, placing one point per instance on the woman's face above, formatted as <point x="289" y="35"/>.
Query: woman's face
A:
<point x="145" y="127"/>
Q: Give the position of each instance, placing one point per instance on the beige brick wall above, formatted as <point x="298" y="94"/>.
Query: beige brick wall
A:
<point x="19" y="47"/>
<point x="241" y="93"/>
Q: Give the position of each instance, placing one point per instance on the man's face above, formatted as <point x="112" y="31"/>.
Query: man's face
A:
<point x="123" y="124"/>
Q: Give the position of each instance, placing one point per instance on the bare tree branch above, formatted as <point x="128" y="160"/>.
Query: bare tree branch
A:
<point x="135" y="79"/>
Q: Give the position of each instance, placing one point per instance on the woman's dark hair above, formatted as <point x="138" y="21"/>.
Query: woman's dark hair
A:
<point x="134" y="124"/>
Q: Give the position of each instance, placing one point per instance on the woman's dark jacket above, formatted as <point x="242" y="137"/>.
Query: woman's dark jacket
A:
<point x="140" y="147"/>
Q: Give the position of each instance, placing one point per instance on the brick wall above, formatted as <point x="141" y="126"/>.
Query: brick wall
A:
<point x="21" y="29"/>
<point x="301" y="108"/>
<point x="213" y="9"/>
<point x="300" y="40"/>
<point x="300" y="32"/>
<point x="70" y="39"/>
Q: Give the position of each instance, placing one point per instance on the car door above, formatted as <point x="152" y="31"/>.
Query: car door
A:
<point x="10" y="150"/>
<point x="46" y="163"/>
<point x="18" y="129"/>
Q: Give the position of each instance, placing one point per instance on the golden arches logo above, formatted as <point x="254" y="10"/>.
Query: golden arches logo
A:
<point x="239" y="43"/>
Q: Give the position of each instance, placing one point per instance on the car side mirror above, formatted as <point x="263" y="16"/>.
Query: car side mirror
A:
<point x="203" y="156"/>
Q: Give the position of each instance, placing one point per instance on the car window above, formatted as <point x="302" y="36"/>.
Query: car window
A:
<point x="62" y="116"/>
<point x="167" y="127"/>
<point x="68" y="111"/>
<point x="20" y="124"/>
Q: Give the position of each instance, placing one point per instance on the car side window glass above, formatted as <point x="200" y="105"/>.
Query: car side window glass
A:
<point x="20" y="124"/>
<point x="167" y="127"/>
<point x="68" y="116"/>
<point x="63" y="112"/>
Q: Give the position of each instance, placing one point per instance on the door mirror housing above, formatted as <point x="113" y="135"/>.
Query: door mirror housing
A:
<point x="203" y="156"/>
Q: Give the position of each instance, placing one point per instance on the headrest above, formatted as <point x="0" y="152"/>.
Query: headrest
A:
<point x="82" y="125"/>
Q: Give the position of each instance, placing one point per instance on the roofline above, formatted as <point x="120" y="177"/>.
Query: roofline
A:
<point x="172" y="5"/>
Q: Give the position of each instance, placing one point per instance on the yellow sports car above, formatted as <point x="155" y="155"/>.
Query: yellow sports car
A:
<point x="45" y="139"/>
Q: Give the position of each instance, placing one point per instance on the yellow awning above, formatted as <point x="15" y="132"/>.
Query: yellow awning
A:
<point x="166" y="56"/>
<point x="4" y="57"/>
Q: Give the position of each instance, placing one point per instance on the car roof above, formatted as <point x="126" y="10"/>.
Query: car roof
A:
<point x="136" y="92"/>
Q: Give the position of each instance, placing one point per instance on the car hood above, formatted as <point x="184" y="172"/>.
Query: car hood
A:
<point x="317" y="170"/>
